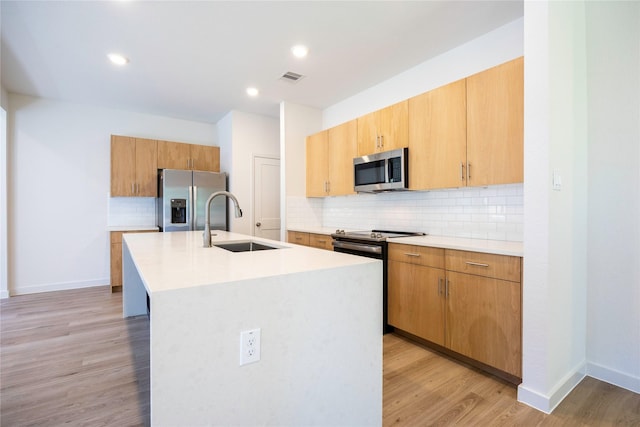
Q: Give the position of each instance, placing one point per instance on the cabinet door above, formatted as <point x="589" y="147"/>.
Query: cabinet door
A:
<point x="438" y="138"/>
<point x="146" y="168"/>
<point x="416" y="301"/>
<point x="343" y="147"/>
<point x="205" y="158"/>
<point x="495" y="125"/>
<point x="173" y="155"/>
<point x="367" y="134"/>
<point x="123" y="166"/>
<point x="317" y="164"/>
<point x="393" y="127"/>
<point x="383" y="130"/>
<point x="484" y="320"/>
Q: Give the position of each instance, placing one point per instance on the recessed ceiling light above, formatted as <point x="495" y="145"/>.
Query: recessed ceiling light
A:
<point x="252" y="91"/>
<point x="118" y="59"/>
<point x="300" y="51"/>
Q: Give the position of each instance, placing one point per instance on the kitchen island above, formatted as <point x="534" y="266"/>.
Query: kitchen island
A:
<point x="319" y="315"/>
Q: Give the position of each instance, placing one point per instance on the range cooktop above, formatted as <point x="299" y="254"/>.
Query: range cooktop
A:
<point x="373" y="235"/>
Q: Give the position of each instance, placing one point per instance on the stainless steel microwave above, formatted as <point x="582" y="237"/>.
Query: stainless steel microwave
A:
<point x="386" y="171"/>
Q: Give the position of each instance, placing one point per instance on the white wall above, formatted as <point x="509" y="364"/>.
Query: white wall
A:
<point x="493" y="48"/>
<point x="554" y="294"/>
<point x="244" y="136"/>
<point x="613" y="311"/>
<point x="59" y="182"/>
<point x="582" y="244"/>
<point x="296" y="122"/>
<point x="4" y="279"/>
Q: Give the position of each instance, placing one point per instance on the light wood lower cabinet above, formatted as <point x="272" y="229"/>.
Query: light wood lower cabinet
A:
<point x="415" y="300"/>
<point x="467" y="302"/>
<point x="315" y="240"/>
<point x="116" y="256"/>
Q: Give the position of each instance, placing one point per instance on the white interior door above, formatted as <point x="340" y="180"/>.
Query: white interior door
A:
<point x="266" y="197"/>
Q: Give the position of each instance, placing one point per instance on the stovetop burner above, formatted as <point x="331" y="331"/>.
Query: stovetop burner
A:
<point x="373" y="235"/>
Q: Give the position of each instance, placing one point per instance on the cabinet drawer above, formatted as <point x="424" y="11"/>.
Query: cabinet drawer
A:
<point x="298" y="237"/>
<point x="482" y="264"/>
<point x="421" y="255"/>
<point x="322" y="241"/>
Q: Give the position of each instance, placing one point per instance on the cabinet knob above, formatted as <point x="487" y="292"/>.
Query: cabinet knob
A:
<point x="258" y="224"/>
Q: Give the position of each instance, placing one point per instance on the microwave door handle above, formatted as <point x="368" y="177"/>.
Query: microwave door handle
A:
<point x="389" y="172"/>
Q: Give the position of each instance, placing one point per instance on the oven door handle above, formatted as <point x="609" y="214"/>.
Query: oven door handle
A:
<point x="372" y="249"/>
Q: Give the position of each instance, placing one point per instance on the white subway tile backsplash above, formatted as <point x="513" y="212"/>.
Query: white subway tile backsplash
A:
<point x="128" y="211"/>
<point x="494" y="212"/>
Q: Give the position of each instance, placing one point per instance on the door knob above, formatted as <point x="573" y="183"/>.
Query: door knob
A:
<point x="258" y="224"/>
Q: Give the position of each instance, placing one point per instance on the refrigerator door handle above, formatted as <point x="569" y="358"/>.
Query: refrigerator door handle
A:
<point x="193" y="194"/>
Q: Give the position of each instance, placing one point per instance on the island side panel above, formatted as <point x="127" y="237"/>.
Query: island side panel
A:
<point x="134" y="295"/>
<point x="321" y="351"/>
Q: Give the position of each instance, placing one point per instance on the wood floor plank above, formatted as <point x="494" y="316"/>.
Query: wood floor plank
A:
<point x="68" y="358"/>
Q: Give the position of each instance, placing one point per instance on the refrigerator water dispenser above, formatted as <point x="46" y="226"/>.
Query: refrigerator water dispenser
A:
<point x="178" y="211"/>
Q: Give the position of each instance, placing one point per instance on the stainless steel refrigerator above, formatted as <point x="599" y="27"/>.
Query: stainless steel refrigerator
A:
<point x="182" y="196"/>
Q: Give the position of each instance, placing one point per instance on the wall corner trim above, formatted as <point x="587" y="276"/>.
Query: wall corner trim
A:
<point x="547" y="403"/>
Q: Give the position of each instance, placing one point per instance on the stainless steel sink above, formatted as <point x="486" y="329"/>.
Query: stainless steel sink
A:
<point x="244" y="246"/>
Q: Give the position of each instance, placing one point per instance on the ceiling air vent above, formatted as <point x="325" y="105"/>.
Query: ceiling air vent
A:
<point x="291" y="77"/>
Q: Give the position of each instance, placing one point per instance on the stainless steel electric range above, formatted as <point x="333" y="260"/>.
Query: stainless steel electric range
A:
<point x="371" y="244"/>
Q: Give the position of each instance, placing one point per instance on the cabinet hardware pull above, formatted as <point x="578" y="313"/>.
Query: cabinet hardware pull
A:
<point x="411" y="254"/>
<point x="321" y="241"/>
<point x="328" y="186"/>
<point x="468" y="171"/>
<point x="446" y="288"/>
<point x="439" y="285"/>
<point x="381" y="141"/>
<point x="477" y="264"/>
<point x="377" y="141"/>
<point x="133" y="191"/>
<point x="462" y="171"/>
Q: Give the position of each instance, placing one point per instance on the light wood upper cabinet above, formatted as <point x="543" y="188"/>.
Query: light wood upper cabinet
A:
<point x="173" y="155"/>
<point x="133" y="167"/>
<point x="495" y="125"/>
<point x="342" y="149"/>
<point x="205" y="158"/>
<point x="383" y="130"/>
<point x="318" y="164"/>
<point x="330" y="156"/>
<point x="438" y="138"/>
<point x="178" y="155"/>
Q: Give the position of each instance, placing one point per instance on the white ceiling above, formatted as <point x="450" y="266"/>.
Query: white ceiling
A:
<point x="194" y="59"/>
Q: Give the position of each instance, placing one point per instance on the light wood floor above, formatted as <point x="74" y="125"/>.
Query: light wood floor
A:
<point x="68" y="358"/>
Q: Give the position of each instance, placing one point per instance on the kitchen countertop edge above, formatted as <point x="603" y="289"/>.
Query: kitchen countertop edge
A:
<point x="132" y="228"/>
<point x="497" y="247"/>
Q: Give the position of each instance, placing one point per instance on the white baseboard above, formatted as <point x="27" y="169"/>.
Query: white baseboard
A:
<point x="614" y="377"/>
<point x="548" y="402"/>
<point x="50" y="287"/>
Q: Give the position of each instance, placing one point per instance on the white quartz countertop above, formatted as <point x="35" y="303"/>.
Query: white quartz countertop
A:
<point x="132" y="228"/>
<point x="170" y="261"/>
<point x="474" y="245"/>
<point x="315" y="230"/>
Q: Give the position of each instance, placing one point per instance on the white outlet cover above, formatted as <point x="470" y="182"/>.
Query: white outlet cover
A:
<point x="249" y="346"/>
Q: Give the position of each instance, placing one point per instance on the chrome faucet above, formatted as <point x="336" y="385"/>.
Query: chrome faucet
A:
<point x="207" y="212"/>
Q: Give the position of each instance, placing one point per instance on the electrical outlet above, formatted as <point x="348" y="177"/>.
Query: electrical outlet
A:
<point x="249" y="346"/>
